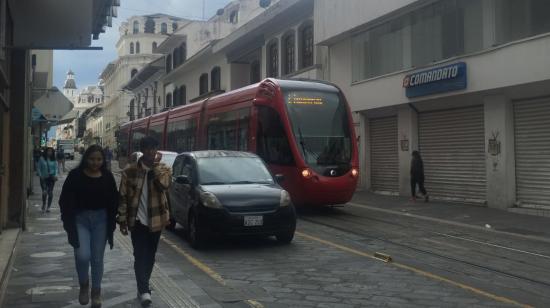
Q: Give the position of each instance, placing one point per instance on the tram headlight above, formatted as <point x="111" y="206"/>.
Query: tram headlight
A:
<point x="354" y="172"/>
<point x="210" y="200"/>
<point x="306" y="173"/>
<point x="285" y="199"/>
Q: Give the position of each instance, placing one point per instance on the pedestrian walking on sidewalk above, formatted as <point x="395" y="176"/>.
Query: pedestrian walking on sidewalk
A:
<point x="60" y="155"/>
<point x="144" y="211"/>
<point x="417" y="176"/>
<point x="47" y="171"/>
<point x="89" y="202"/>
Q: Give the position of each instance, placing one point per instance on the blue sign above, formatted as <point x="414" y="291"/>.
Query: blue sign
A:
<point x="436" y="80"/>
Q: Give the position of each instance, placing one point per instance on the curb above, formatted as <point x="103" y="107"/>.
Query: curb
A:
<point x="452" y="223"/>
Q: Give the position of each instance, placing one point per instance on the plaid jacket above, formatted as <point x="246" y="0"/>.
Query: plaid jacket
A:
<point x="131" y="185"/>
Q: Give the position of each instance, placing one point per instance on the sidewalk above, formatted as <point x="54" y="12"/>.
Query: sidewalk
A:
<point x="43" y="272"/>
<point x="459" y="214"/>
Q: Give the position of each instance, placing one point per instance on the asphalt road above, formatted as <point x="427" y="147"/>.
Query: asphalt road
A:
<point x="340" y="257"/>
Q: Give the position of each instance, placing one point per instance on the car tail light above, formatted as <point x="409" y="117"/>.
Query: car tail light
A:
<point x="354" y="172"/>
<point x="306" y="173"/>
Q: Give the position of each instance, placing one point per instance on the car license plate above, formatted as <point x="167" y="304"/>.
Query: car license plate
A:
<point x="251" y="221"/>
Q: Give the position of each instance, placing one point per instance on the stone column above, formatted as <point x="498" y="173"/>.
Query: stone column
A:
<point x="500" y="152"/>
<point x="407" y="129"/>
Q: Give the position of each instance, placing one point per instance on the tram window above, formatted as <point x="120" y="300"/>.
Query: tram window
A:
<point x="244" y="123"/>
<point x="181" y="136"/>
<point x="272" y="142"/>
<point x="222" y="131"/>
<point x="137" y="135"/>
<point x="156" y="132"/>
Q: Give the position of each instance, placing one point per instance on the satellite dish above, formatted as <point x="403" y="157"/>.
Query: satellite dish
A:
<point x="265" y="3"/>
<point x="220" y="12"/>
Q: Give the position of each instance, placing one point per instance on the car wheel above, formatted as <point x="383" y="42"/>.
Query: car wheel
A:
<point x="195" y="235"/>
<point x="285" y="237"/>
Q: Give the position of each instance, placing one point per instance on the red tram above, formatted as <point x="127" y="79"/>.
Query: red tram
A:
<point x="302" y="129"/>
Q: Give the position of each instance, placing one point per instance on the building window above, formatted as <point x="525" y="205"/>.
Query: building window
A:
<point x="176" y="57"/>
<point x="273" y="59"/>
<point x="133" y="73"/>
<point x="163" y="28"/>
<point x="136" y="27"/>
<point x="215" y="77"/>
<point x="168" y="102"/>
<point x="175" y="96"/>
<point x="432" y="33"/>
<point x="154" y="47"/>
<point x="137" y="48"/>
<point x="255" y="72"/>
<point x="234" y="17"/>
<point x="150" y="25"/>
<point x="132" y="48"/>
<point x="306" y="46"/>
<point x="131" y="112"/>
<point x="289" y="55"/>
<point x="168" y="63"/>
<point x="174" y="26"/>
<point x="203" y="84"/>
<point x="520" y="19"/>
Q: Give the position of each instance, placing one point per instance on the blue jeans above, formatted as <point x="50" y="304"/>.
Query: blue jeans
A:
<point x="91" y="226"/>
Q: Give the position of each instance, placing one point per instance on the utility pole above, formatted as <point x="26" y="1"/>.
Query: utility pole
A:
<point x="203" y="9"/>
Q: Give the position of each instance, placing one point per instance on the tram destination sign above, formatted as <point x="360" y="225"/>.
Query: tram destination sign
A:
<point x="436" y="80"/>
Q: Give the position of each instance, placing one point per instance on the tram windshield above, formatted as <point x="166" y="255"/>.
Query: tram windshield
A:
<point x="321" y="127"/>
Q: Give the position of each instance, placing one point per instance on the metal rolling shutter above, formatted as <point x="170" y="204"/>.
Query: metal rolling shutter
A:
<point x="452" y="146"/>
<point x="384" y="156"/>
<point x="532" y="138"/>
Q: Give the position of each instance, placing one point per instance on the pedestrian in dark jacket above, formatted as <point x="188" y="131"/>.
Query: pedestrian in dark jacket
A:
<point x="417" y="176"/>
<point x="89" y="202"/>
<point x="47" y="171"/>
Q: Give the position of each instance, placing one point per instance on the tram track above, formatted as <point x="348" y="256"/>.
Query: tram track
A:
<point x="404" y="240"/>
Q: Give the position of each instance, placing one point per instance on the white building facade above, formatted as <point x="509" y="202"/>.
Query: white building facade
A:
<point x="139" y="38"/>
<point x="467" y="83"/>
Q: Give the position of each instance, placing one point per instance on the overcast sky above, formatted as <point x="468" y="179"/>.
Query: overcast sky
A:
<point x="87" y="65"/>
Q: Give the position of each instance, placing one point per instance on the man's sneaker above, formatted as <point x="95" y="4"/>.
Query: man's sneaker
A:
<point x="145" y="299"/>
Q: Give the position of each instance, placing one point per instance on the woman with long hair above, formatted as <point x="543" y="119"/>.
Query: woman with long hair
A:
<point x="88" y="202"/>
<point x="47" y="171"/>
<point x="417" y="176"/>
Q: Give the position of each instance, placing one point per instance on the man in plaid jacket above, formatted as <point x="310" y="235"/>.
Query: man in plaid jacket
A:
<point x="144" y="210"/>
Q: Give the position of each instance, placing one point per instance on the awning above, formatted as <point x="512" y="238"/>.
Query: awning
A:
<point x="170" y="43"/>
<point x="60" y="24"/>
<point x="69" y="117"/>
<point x="37" y="116"/>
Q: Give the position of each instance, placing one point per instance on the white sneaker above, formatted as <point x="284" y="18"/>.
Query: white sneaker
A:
<point x="145" y="299"/>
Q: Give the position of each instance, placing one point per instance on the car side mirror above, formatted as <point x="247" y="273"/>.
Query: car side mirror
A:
<point x="279" y="178"/>
<point x="183" y="179"/>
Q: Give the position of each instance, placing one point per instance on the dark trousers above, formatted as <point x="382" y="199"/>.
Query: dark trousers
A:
<point x="47" y="192"/>
<point x="420" y="186"/>
<point x="145" y="247"/>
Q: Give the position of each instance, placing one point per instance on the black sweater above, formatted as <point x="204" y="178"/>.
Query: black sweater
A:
<point x="81" y="192"/>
